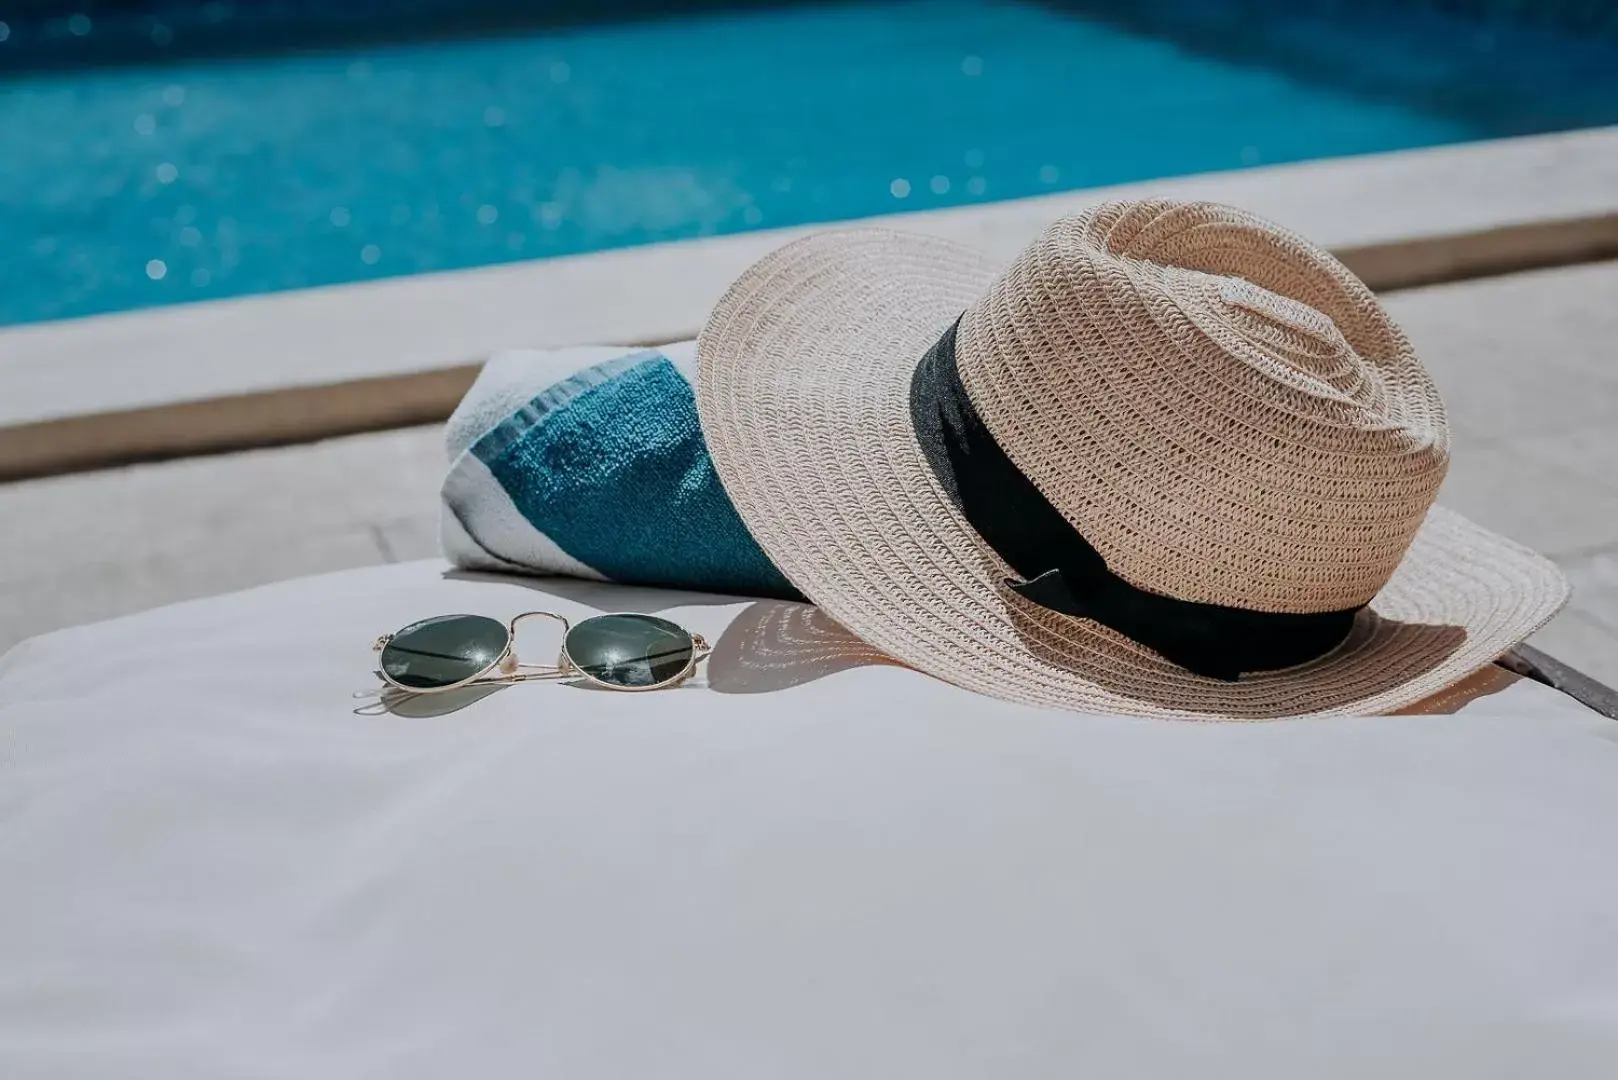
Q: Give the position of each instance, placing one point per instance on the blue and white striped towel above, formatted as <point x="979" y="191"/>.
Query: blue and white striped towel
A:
<point x="590" y="462"/>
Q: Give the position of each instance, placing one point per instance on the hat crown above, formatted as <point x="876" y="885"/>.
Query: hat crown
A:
<point x="1221" y="408"/>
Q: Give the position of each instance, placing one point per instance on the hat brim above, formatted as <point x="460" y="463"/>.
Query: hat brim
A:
<point x="803" y="390"/>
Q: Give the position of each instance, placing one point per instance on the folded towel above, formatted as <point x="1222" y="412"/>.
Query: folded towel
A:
<point x="590" y="462"/>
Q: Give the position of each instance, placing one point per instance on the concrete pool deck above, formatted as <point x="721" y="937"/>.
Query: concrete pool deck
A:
<point x="302" y="365"/>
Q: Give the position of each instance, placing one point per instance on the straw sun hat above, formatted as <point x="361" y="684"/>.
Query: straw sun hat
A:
<point x="1172" y="461"/>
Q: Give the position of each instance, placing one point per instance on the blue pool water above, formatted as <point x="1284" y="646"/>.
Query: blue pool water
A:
<point x="127" y="185"/>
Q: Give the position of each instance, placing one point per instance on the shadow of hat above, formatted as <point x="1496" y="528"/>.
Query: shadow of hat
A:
<point x="776" y="644"/>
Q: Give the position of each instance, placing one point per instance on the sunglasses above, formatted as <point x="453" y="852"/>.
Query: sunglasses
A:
<point x="619" y="652"/>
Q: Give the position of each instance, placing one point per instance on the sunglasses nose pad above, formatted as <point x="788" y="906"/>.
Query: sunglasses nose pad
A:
<point x="508" y="664"/>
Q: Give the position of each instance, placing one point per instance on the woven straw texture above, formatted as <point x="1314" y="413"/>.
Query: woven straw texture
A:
<point x="1217" y="405"/>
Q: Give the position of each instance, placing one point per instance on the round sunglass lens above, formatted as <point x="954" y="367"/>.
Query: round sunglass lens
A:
<point x="443" y="651"/>
<point x="630" y="650"/>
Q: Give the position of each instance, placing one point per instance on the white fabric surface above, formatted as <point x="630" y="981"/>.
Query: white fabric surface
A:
<point x="213" y="867"/>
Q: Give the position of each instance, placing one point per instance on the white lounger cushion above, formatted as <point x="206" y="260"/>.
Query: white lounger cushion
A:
<point x="211" y="867"/>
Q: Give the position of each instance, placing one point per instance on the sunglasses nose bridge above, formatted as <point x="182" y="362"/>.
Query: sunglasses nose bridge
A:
<point x="510" y="665"/>
<point x="511" y="627"/>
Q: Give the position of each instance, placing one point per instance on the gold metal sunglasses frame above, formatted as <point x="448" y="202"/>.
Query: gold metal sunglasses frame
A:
<point x="506" y="668"/>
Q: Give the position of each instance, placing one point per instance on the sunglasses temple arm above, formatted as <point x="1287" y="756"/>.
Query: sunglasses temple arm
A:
<point x="505" y="677"/>
<point x="511" y="671"/>
<point x="530" y="676"/>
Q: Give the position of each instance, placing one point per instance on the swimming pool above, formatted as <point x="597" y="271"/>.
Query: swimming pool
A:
<point x="125" y="185"/>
